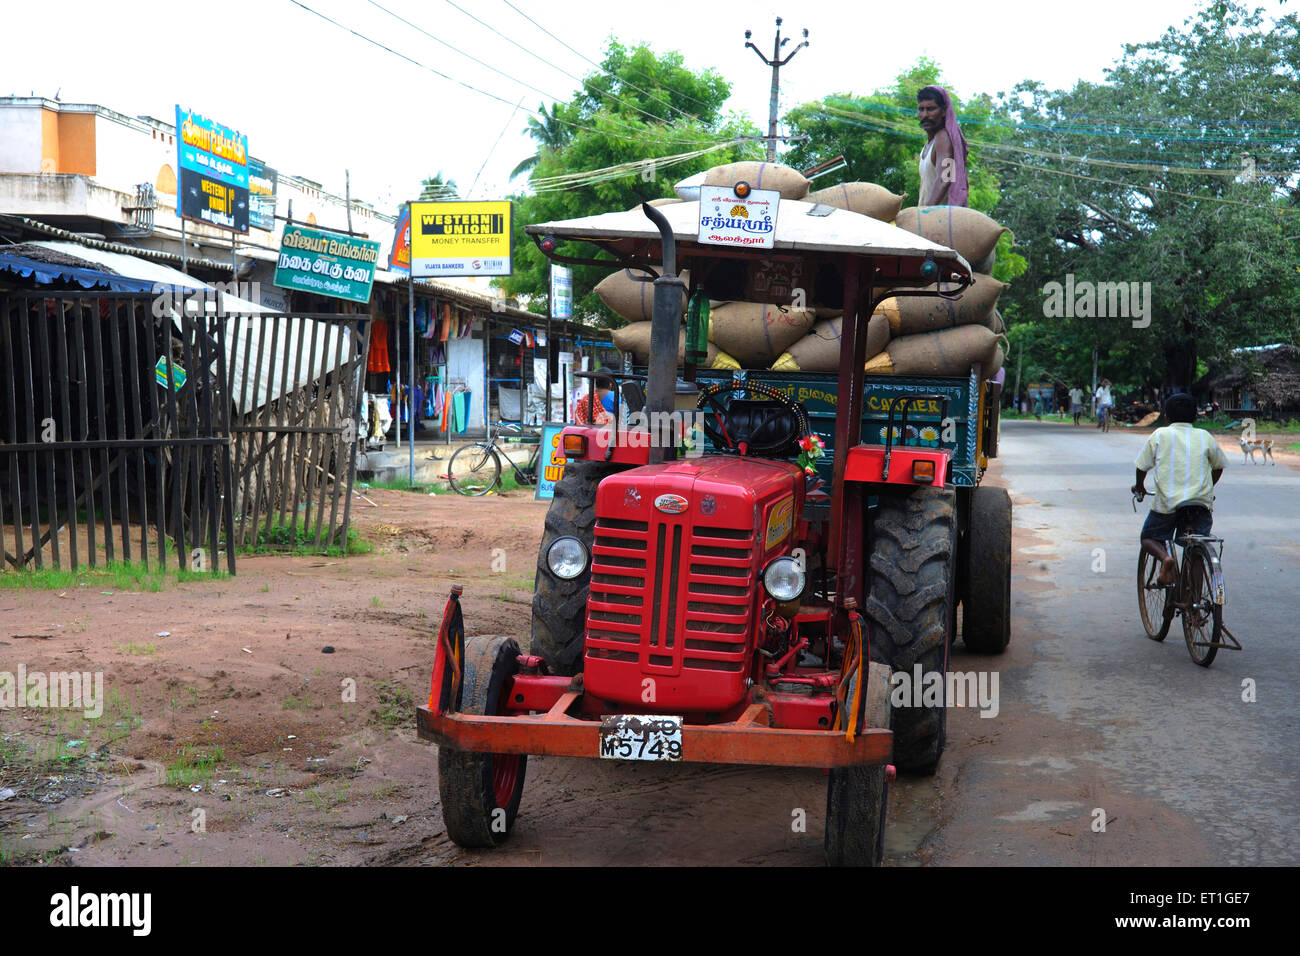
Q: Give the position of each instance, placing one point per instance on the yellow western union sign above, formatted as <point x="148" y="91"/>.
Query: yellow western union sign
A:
<point x="460" y="239"/>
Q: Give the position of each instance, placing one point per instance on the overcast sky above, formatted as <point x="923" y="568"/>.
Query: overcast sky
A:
<point x="315" y="100"/>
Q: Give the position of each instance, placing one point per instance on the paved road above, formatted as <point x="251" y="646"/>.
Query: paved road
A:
<point x="1097" y="718"/>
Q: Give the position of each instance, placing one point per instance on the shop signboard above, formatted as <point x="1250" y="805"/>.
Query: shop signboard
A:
<point x="550" y="461"/>
<point x="730" y="220"/>
<point x="561" y="292"/>
<point x="213" y="180"/>
<point x="326" y="263"/>
<point x="399" y="260"/>
<point x="262" y="183"/>
<point x="461" y="239"/>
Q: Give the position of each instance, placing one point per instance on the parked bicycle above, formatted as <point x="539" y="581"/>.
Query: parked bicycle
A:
<point x="476" y="469"/>
<point x="1197" y="594"/>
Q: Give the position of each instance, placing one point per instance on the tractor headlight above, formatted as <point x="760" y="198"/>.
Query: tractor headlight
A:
<point x="784" y="579"/>
<point x="566" y="557"/>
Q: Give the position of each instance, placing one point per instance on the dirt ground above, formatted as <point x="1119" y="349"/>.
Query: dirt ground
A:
<point x="268" y="719"/>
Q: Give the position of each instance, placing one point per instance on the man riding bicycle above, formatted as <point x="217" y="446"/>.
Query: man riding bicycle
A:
<point x="1188" y="464"/>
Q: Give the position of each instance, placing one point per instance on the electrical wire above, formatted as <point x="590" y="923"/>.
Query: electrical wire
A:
<point x="577" y="79"/>
<point x="462" y="83"/>
<point x="597" y="65"/>
<point x="500" y="72"/>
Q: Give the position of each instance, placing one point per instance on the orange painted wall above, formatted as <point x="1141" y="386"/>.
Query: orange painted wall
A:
<point x="49" y="141"/>
<point x="77" y="143"/>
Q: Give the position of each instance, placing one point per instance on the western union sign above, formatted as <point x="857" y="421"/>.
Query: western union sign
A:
<point x="460" y="239"/>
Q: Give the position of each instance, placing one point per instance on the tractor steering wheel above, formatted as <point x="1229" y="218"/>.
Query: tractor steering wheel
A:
<point x="715" y="427"/>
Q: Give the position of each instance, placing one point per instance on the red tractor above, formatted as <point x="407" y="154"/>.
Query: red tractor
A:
<point x="710" y="608"/>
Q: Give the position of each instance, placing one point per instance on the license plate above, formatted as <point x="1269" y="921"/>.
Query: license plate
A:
<point x="641" y="737"/>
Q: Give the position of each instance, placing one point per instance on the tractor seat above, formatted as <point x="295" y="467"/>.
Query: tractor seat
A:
<point x="769" y="428"/>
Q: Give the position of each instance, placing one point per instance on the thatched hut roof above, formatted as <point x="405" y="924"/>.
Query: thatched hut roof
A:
<point x="1271" y="372"/>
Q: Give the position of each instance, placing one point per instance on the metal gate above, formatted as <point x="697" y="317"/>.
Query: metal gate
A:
<point x="114" y="433"/>
<point x="295" y="385"/>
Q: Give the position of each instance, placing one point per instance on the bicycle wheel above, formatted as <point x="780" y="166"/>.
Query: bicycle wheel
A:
<point x="474" y="470"/>
<point x="1153" y="600"/>
<point x="1202" y="618"/>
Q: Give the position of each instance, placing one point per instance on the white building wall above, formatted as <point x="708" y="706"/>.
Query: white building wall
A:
<point x="20" y="139"/>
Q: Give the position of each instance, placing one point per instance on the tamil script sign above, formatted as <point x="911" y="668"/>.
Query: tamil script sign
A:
<point x="727" y="220"/>
<point x="460" y="239"/>
<point x="326" y="263"/>
<point x="561" y="292"/>
<point x="213" y="182"/>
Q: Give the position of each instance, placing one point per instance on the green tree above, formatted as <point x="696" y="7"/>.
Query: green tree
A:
<point x="551" y="133"/>
<point x="646" y="121"/>
<point x="881" y="142"/>
<point x="434" y="188"/>
<point x="1177" y="171"/>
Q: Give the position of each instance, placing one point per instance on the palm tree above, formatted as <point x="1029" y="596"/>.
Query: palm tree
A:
<point x="435" y="188"/>
<point x="550" y="133"/>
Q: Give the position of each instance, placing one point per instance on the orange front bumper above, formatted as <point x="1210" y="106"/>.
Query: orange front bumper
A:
<point x="747" y="740"/>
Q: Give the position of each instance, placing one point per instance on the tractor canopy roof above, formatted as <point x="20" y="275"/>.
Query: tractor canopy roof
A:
<point x="818" y="235"/>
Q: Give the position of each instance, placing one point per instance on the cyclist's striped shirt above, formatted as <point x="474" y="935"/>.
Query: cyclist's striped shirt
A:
<point x="1182" y="458"/>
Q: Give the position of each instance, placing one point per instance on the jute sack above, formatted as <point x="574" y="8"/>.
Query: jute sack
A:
<point x="995" y="365"/>
<point x="819" y="350"/>
<point x="785" y="179"/>
<point x="635" y="338"/>
<point x="986" y="264"/>
<point x="865" y="198"/>
<point x="755" y="333"/>
<point x="946" y="353"/>
<point x="995" y="323"/>
<point x="630" y="294"/>
<point x="910" y="315"/>
<point x="969" y="231"/>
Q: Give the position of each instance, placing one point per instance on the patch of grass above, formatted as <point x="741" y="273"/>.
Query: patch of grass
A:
<point x="193" y="766"/>
<point x="299" y="537"/>
<point x="375" y="602"/>
<point x="396" y="705"/>
<point x="401" y="484"/>
<point x="266" y="587"/>
<point x="1294" y="446"/>
<point x="139" y="650"/>
<point x="305" y="702"/>
<point x="114" y="576"/>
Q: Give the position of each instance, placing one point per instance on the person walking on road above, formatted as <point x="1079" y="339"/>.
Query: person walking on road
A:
<point x="1038" y="407"/>
<point x="1104" y="400"/>
<point x="1188" y="464"/>
<point x="1076" y="403"/>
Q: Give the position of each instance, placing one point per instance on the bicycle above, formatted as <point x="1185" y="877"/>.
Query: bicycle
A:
<point x="1197" y="594"/>
<point x="476" y="469"/>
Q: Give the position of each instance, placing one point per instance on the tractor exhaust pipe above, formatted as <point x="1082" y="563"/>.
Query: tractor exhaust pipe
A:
<point x="665" y="327"/>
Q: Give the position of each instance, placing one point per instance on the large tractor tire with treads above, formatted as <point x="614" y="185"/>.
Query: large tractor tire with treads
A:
<point x="911" y="610"/>
<point x="986" y="596"/>
<point x="856" y="797"/>
<point x="480" y="792"/>
<point x="560" y="607"/>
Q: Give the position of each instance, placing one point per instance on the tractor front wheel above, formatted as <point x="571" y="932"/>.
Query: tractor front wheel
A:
<point x="481" y="792"/>
<point x="559" y="606"/>
<point x="856" y="797"/>
<point x="911" y="607"/>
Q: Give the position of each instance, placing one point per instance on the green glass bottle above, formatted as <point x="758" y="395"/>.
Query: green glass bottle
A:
<point x="697" y="329"/>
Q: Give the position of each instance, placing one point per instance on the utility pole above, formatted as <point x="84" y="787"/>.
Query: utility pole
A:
<point x="775" y="63"/>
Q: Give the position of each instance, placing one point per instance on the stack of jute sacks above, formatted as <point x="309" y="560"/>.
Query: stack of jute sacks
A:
<point x="741" y="334"/>
<point x="914" y="335"/>
<point x="906" y="336"/>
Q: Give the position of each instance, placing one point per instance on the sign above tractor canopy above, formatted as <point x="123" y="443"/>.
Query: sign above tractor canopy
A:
<point x="727" y="219"/>
<point x="818" y="231"/>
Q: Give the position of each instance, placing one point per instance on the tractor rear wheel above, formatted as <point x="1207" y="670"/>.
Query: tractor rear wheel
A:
<point x="986" y="597"/>
<point x="559" y="606"/>
<point x="911" y="607"/>
<point x="480" y="792"/>
<point x="856" y="797"/>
